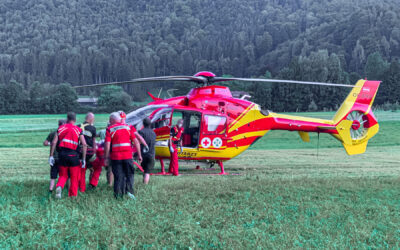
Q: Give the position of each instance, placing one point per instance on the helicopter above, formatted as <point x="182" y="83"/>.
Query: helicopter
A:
<point x="219" y="127"/>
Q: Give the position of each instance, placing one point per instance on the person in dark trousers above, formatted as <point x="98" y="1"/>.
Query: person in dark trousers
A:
<point x="148" y="153"/>
<point x="89" y="132"/>
<point x="69" y="137"/>
<point x="118" y="149"/>
<point x="54" y="168"/>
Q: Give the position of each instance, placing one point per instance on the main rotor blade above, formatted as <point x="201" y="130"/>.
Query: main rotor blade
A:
<point x="225" y="79"/>
<point x="149" y="79"/>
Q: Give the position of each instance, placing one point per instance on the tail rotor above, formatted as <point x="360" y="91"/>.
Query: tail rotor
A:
<point x="356" y="122"/>
<point x="358" y="130"/>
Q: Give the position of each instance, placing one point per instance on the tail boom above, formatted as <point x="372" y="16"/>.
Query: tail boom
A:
<point x="353" y="124"/>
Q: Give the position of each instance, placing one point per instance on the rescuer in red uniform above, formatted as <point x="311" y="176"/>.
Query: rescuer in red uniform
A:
<point x="175" y="142"/>
<point x="138" y="136"/>
<point x="118" y="149"/>
<point x="110" y="176"/>
<point x="69" y="136"/>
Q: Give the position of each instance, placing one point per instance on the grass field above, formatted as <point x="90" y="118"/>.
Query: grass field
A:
<point x="287" y="194"/>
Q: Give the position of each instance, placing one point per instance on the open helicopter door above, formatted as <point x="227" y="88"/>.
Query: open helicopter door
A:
<point x="213" y="132"/>
<point x="190" y="137"/>
<point x="161" y="122"/>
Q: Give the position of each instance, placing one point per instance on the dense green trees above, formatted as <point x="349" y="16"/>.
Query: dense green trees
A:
<point x="38" y="99"/>
<point x="114" y="98"/>
<point x="81" y="42"/>
<point x="13" y="98"/>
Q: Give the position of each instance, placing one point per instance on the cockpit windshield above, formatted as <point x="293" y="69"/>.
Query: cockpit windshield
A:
<point x="136" y="117"/>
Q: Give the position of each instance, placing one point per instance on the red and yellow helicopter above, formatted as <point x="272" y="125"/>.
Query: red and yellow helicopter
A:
<point x="219" y="127"/>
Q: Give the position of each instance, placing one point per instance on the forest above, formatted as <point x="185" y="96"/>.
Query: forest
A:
<point x="47" y="46"/>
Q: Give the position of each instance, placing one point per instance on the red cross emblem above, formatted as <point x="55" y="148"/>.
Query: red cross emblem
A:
<point x="205" y="142"/>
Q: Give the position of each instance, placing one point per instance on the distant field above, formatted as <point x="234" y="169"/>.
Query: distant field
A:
<point x="286" y="194"/>
<point x="30" y="130"/>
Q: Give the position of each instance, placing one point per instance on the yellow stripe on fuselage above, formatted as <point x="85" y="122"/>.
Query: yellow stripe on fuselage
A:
<point x="249" y="134"/>
<point x="302" y="118"/>
<point x="162" y="137"/>
<point x="252" y="113"/>
<point x="234" y="124"/>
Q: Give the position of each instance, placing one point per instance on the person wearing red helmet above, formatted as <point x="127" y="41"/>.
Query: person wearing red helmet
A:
<point x="118" y="154"/>
<point x="138" y="136"/>
<point x="175" y="142"/>
<point x="69" y="136"/>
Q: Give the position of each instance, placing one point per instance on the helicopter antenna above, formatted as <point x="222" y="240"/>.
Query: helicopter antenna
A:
<point x="169" y="92"/>
<point x="159" y="93"/>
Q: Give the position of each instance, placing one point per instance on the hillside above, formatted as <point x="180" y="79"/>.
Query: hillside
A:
<point x="53" y="41"/>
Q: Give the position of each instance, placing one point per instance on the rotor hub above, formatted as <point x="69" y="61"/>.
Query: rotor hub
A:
<point x="356" y="125"/>
<point x="206" y="74"/>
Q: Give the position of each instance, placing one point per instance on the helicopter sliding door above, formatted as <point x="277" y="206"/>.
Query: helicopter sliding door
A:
<point x="213" y="132"/>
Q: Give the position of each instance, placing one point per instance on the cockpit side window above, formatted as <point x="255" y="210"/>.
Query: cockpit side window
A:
<point x="214" y="124"/>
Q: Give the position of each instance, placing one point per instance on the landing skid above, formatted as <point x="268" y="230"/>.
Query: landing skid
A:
<point x="220" y="164"/>
<point x="209" y="174"/>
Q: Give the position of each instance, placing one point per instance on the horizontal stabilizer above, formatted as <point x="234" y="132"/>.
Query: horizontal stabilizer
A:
<point x="304" y="136"/>
<point x="343" y="128"/>
<point x="355" y="149"/>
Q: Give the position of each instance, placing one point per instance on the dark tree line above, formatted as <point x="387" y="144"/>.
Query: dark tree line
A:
<point x="92" y="41"/>
<point x="40" y="98"/>
<point x="55" y="99"/>
<point x="321" y="66"/>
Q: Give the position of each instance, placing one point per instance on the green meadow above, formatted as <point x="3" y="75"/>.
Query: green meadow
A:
<point x="283" y="193"/>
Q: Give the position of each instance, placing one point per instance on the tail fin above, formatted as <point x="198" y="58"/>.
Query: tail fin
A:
<point x="354" y="120"/>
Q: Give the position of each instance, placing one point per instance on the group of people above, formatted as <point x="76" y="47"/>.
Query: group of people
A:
<point x="74" y="150"/>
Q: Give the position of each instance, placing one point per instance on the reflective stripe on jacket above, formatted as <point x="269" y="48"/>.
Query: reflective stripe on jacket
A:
<point x="68" y="135"/>
<point x="120" y="137"/>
